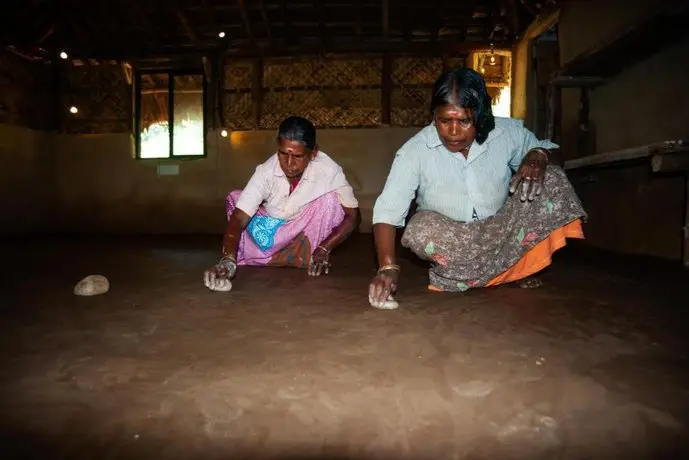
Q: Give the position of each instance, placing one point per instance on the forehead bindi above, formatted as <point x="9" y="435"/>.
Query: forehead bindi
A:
<point x="291" y="147"/>
<point x="453" y="112"/>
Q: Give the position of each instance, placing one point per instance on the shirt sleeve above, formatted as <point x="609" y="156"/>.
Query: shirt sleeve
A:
<point x="392" y="206"/>
<point x="347" y="198"/>
<point x="254" y="194"/>
<point x="527" y="140"/>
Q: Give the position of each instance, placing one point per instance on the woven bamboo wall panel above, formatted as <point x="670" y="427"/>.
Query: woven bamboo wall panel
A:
<point x="102" y="96"/>
<point x="325" y="108"/>
<point x="410" y="107"/>
<point x="25" y="99"/>
<point x="412" y="80"/>
<point x="238" y="111"/>
<point x="321" y="72"/>
<point x="238" y="75"/>
<point x="456" y="62"/>
<point x="413" y="71"/>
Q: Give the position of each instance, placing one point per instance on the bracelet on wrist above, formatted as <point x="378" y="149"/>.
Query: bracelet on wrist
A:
<point x="387" y="267"/>
<point x="542" y="151"/>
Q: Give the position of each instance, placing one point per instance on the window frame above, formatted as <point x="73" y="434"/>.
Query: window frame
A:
<point x="138" y="96"/>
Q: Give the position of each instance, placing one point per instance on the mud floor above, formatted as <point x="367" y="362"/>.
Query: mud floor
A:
<point x="593" y="365"/>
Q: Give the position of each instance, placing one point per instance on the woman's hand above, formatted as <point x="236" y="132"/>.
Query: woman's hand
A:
<point x="531" y="175"/>
<point x="382" y="288"/>
<point x="217" y="278"/>
<point x="320" y="262"/>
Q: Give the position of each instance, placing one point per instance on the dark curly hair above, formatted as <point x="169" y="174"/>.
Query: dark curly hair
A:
<point x="465" y="88"/>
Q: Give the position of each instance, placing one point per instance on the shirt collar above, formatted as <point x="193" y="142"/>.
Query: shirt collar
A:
<point x="432" y="137"/>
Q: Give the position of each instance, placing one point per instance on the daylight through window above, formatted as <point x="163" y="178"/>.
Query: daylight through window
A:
<point x="171" y="100"/>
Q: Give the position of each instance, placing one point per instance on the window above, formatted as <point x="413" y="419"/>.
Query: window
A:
<point x="170" y="115"/>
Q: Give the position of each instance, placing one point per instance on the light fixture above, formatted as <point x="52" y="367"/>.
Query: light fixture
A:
<point x="73" y="109"/>
<point x="491" y="60"/>
<point x="63" y="55"/>
<point x="221" y="35"/>
<point x="223" y="133"/>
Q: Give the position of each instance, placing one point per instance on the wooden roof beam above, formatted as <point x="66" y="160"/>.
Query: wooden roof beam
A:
<point x="512" y="16"/>
<point x="468" y="13"/>
<point x="491" y="23"/>
<point x="359" y="23"/>
<point x="210" y="16"/>
<point x="264" y="15"/>
<point x="385" y="18"/>
<point x="351" y="46"/>
<point x="437" y="20"/>
<point x="191" y="33"/>
<point x="247" y="23"/>
<point x="320" y="7"/>
<point x="143" y="16"/>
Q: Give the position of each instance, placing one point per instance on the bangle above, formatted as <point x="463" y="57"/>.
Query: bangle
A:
<point x="228" y="258"/>
<point x="321" y="247"/>
<point x="389" y="267"/>
<point x="542" y="151"/>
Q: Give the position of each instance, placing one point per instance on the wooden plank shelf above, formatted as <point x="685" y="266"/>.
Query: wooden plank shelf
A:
<point x="658" y="149"/>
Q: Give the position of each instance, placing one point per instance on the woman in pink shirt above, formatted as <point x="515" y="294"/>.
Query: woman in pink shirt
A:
<point x="297" y="207"/>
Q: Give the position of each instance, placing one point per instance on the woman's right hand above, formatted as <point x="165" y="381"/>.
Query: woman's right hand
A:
<point x="381" y="289"/>
<point x="217" y="278"/>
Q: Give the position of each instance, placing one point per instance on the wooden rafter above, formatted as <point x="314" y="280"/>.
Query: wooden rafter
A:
<point x="467" y="12"/>
<point x="512" y="16"/>
<point x="191" y="33"/>
<point x="286" y="23"/>
<point x="494" y="10"/>
<point x="358" y="22"/>
<point x="408" y="22"/>
<point x="264" y="16"/>
<point x="247" y="23"/>
<point x="143" y="17"/>
<point x="320" y="7"/>
<point x="437" y="20"/>
<point x="46" y="32"/>
<point x="530" y="7"/>
<point x="210" y="16"/>
<point x="385" y="18"/>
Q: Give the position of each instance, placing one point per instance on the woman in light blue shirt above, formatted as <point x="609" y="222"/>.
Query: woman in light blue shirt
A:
<point x="491" y="207"/>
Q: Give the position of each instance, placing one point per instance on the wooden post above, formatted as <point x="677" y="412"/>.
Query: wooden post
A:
<point x="584" y="133"/>
<point x="257" y="91"/>
<point x="552" y="113"/>
<point x="57" y="89"/>
<point x="386" y="90"/>
<point x="221" y="62"/>
<point x="677" y="161"/>
<point x="685" y="229"/>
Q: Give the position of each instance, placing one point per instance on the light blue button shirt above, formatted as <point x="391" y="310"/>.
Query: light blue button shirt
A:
<point x="460" y="188"/>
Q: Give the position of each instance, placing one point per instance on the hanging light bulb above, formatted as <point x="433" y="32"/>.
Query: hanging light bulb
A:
<point x="223" y="133"/>
<point x="73" y="109"/>
<point x="63" y="55"/>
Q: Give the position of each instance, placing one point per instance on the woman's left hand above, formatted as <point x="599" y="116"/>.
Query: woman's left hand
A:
<point x="531" y="175"/>
<point x="320" y="262"/>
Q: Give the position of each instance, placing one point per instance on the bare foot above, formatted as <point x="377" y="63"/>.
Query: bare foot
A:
<point x="530" y="283"/>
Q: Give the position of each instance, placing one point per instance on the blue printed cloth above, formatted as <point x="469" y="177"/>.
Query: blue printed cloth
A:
<point x="262" y="230"/>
